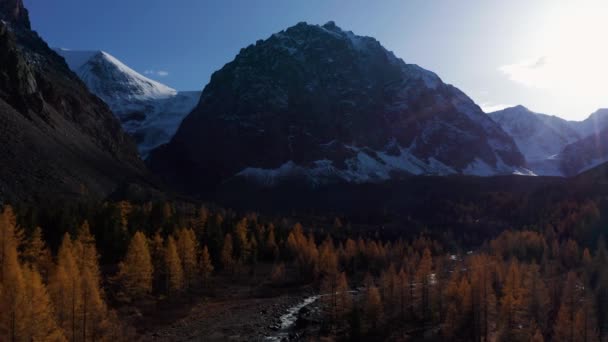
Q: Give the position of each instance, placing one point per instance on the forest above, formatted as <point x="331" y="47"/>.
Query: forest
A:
<point x="78" y="279"/>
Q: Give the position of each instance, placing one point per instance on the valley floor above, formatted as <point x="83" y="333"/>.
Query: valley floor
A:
<point x="235" y="311"/>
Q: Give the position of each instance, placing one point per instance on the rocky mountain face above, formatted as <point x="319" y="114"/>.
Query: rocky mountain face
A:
<point x="553" y="146"/>
<point x="327" y="105"/>
<point x="148" y="110"/>
<point x="55" y="137"/>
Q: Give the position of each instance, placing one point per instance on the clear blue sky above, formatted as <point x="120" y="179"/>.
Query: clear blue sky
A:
<point x="499" y="52"/>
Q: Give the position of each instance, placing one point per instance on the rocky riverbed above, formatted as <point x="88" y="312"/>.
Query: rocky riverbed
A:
<point x="279" y="318"/>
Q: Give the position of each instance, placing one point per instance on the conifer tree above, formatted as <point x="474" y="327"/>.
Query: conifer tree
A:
<point x="136" y="270"/>
<point x="173" y="264"/>
<point x="94" y="320"/>
<point x="206" y="266"/>
<point x="272" y="249"/>
<point x="227" y="257"/>
<point x="538" y="337"/>
<point x="537" y="301"/>
<point x="40" y="321"/>
<point x="157" y="253"/>
<point x="187" y="248"/>
<point x="66" y="289"/>
<point x="423" y="278"/>
<point x="13" y="323"/>
<point x="37" y="254"/>
<point x="328" y="260"/>
<point x="565" y="325"/>
<point x="85" y="252"/>
<point x="483" y="297"/>
<point x="278" y="273"/>
<point x="513" y="312"/>
<point x="585" y="323"/>
<point x="11" y="236"/>
<point x="373" y="307"/>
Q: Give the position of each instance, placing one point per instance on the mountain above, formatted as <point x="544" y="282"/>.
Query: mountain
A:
<point x="327" y="105"/>
<point x="539" y="137"/>
<point x="56" y="138"/>
<point x="148" y="110"/>
<point x="553" y="146"/>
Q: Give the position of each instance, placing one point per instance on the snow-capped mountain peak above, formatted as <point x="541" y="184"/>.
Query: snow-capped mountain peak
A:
<point x="112" y="80"/>
<point x="149" y="110"/>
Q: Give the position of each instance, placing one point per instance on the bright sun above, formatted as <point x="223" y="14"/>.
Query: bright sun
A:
<point x="573" y="60"/>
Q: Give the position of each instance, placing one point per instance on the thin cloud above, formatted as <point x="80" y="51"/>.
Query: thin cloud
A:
<point x="532" y="72"/>
<point x="159" y="73"/>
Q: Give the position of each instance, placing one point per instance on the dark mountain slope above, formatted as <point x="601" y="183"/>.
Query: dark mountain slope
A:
<point x="322" y="104"/>
<point x="57" y="138"/>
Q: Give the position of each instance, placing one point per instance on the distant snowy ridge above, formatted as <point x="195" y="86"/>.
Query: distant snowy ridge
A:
<point x="553" y="146"/>
<point x="148" y="110"/>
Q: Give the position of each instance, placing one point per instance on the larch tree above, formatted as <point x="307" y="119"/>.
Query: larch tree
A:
<point x="586" y="323"/>
<point x="227" y="255"/>
<point x="173" y="264"/>
<point x="328" y="260"/>
<point x="157" y="252"/>
<point x="13" y="323"/>
<point x="513" y="312"/>
<point x="538" y="336"/>
<point x="373" y="309"/>
<point x="206" y="266"/>
<point x="85" y="252"/>
<point x="423" y="280"/>
<point x="272" y="249"/>
<point x="40" y="323"/>
<point x="93" y="315"/>
<point x="537" y="300"/>
<point x="136" y="270"/>
<point x="483" y="297"/>
<point x="11" y="236"/>
<point x="564" y="328"/>
<point x="66" y="289"/>
<point x="243" y="245"/>
<point x="188" y="250"/>
<point x="344" y="300"/>
<point x="37" y="254"/>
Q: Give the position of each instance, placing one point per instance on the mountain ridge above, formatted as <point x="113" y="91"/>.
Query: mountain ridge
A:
<point x="554" y="146"/>
<point x="338" y="106"/>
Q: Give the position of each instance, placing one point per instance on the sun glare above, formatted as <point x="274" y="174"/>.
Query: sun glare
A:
<point x="572" y="55"/>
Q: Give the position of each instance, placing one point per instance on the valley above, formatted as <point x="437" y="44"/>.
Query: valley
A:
<point x="317" y="187"/>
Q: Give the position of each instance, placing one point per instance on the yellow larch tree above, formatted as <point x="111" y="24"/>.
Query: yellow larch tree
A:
<point x="173" y="265"/>
<point x="136" y="270"/>
<point x="37" y="254"/>
<point x="13" y="323"/>
<point x="40" y="323"/>
<point x="226" y="256"/>
<point x="206" y="266"/>
<point x="66" y="289"/>
<point x="188" y="250"/>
